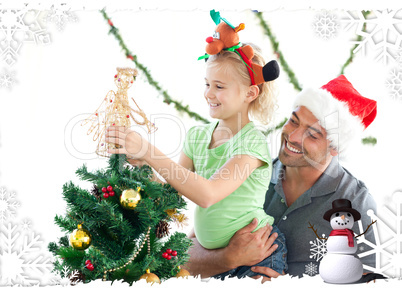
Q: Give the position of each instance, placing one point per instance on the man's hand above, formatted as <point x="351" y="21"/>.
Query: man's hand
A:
<point x="247" y="248"/>
<point x="266" y="271"/>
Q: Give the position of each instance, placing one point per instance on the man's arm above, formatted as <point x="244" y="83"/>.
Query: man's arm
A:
<point x="245" y="248"/>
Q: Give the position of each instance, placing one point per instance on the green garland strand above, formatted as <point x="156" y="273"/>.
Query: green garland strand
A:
<point x="275" y="45"/>
<point x="166" y="97"/>
<point x="359" y="38"/>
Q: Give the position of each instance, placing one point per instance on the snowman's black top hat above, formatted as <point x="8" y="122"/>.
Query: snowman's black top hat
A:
<point x="342" y="205"/>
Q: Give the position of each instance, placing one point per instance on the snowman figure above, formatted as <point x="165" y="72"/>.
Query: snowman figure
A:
<point x="340" y="265"/>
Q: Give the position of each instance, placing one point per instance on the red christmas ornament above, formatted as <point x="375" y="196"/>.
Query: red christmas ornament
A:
<point x="105" y="195"/>
<point x="164" y="255"/>
<point x="111" y="193"/>
<point x="174" y="253"/>
<point x="110" y="22"/>
<point x="169" y="257"/>
<point x="169" y="251"/>
<point x="130" y="57"/>
<point x="109" y="188"/>
<point x="87" y="262"/>
<point x="104" y="190"/>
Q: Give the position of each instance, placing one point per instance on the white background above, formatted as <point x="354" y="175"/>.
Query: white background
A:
<point x="42" y="143"/>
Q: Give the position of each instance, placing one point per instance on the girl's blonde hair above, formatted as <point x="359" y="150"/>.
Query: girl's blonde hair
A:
<point x="262" y="108"/>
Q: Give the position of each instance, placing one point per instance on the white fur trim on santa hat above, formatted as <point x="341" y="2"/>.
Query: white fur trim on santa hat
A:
<point x="342" y="127"/>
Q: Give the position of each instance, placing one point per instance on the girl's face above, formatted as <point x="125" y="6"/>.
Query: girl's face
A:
<point x="225" y="93"/>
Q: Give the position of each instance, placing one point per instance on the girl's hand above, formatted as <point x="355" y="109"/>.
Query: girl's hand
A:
<point x="128" y="142"/>
<point x="136" y="163"/>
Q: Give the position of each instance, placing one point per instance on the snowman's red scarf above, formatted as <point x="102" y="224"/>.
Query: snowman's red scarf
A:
<point x="347" y="232"/>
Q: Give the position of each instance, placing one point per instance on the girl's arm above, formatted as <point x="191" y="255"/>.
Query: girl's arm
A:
<point x="203" y="192"/>
<point x="184" y="161"/>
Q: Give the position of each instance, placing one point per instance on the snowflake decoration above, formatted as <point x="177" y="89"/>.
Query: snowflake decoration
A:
<point x="19" y="259"/>
<point x="325" y="25"/>
<point x="383" y="32"/>
<point x="8" y="205"/>
<point x="394" y="84"/>
<point x="7" y="80"/>
<point x="16" y="28"/>
<point x="60" y="16"/>
<point x="398" y="56"/>
<point x="26" y="225"/>
<point x="388" y="240"/>
<point x="319" y="248"/>
<point x="65" y="277"/>
<point x="311" y="269"/>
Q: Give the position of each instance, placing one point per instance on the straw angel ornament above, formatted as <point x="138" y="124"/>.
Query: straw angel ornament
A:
<point x="116" y="111"/>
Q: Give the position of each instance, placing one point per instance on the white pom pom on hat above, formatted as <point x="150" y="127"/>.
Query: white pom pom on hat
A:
<point x="340" y="109"/>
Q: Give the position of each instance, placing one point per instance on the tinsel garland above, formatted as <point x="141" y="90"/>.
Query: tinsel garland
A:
<point x="358" y="39"/>
<point x="275" y="46"/>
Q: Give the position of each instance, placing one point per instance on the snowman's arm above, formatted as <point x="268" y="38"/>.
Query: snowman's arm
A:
<point x="372" y="222"/>
<point x="315" y="231"/>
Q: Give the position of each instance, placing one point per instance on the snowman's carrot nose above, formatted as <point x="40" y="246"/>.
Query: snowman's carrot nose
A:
<point x="343" y="217"/>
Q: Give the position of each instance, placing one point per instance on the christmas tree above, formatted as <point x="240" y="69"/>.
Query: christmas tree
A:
<point x="119" y="230"/>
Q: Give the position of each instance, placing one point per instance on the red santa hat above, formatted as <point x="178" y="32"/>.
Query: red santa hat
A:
<point x="340" y="109"/>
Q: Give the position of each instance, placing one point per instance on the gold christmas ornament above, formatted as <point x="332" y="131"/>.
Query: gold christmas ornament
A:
<point x="180" y="219"/>
<point x="116" y="111"/>
<point x="129" y="198"/>
<point x="182" y="273"/>
<point x="80" y="239"/>
<point x="150" y="277"/>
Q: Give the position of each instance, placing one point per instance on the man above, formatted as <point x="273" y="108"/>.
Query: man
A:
<point x="306" y="179"/>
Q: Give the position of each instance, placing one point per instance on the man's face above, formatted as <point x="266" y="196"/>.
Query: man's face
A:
<point x="304" y="142"/>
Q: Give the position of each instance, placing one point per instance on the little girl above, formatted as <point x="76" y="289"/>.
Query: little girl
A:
<point x="225" y="167"/>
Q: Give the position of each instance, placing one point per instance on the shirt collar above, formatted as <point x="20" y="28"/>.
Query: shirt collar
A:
<point x="327" y="183"/>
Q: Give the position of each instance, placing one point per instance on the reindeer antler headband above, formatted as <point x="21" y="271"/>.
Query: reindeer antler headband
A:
<point x="226" y="37"/>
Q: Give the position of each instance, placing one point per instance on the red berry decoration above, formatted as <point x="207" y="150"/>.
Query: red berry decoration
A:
<point x="169" y="253"/>
<point x="89" y="265"/>
<point x="105" y="195"/>
<point x="109" y="188"/>
<point x="111" y="193"/>
<point x="104" y="190"/>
